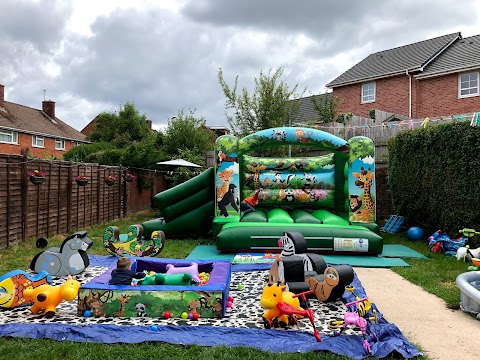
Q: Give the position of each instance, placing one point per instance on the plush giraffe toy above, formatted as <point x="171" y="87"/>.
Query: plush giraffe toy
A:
<point x="48" y="296"/>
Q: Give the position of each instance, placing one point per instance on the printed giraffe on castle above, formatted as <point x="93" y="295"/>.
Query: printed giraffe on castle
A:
<point x="365" y="180"/>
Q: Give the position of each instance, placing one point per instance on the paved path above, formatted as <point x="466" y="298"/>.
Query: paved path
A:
<point x="422" y="317"/>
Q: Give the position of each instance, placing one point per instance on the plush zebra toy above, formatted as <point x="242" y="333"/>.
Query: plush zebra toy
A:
<point x="294" y="245"/>
<point x="302" y="271"/>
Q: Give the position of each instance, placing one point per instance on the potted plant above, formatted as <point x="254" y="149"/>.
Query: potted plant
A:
<point x="110" y="180"/>
<point x="81" y="180"/>
<point x="37" y="177"/>
<point x="129" y="177"/>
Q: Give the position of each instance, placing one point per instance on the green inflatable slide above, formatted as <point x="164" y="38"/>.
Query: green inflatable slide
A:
<point x="187" y="209"/>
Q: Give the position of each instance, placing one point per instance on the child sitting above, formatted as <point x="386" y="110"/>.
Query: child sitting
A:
<point x="122" y="275"/>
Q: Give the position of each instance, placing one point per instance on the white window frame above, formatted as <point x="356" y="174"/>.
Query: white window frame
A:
<point x="12" y="134"/>
<point x="475" y="73"/>
<point x="36" y="139"/>
<point x="60" y="142"/>
<point x="369" y="95"/>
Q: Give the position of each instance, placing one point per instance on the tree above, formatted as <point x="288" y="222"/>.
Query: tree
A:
<point x="268" y="106"/>
<point x="186" y="137"/>
<point x="186" y="132"/>
<point x="326" y="106"/>
<point x="121" y="128"/>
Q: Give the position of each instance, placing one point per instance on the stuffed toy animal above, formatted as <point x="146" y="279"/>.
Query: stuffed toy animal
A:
<point x="48" y="296"/>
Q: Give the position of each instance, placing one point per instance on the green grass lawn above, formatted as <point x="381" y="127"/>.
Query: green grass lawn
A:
<point x="436" y="275"/>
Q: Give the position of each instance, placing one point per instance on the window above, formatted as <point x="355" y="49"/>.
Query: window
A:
<point x="59" y="144"/>
<point x="468" y="84"/>
<point x="37" y="141"/>
<point x="10" y="137"/>
<point x="368" y="92"/>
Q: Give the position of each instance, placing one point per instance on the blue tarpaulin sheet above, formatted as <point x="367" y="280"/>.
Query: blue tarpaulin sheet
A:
<point x="390" y="339"/>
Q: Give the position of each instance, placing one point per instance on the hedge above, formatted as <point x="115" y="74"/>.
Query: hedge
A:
<point x="434" y="177"/>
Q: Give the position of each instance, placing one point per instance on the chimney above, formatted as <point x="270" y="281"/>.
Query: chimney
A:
<point x="149" y="124"/>
<point x="48" y="108"/>
<point x="2" y="95"/>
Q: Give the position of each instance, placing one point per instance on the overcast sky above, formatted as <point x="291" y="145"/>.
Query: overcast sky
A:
<point x="95" y="55"/>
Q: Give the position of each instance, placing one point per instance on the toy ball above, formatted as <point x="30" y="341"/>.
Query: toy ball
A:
<point x="230" y="298"/>
<point x="184" y="315"/>
<point x="415" y="234"/>
<point x="154" y="327"/>
<point x="240" y="286"/>
<point x="195" y="316"/>
<point x="41" y="243"/>
<point x="229" y="304"/>
<point x="190" y="316"/>
<point x="87" y="313"/>
<point x="167" y="315"/>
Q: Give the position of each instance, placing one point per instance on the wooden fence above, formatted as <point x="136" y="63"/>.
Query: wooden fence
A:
<point x="384" y="126"/>
<point x="60" y="205"/>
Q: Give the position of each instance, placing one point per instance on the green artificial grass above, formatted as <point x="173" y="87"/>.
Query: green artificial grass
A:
<point x="437" y="276"/>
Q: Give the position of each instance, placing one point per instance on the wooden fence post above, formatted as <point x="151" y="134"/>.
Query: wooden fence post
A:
<point x="69" y="198"/>
<point x="24" y="194"/>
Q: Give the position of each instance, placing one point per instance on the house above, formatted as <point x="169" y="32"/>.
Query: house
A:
<point x="38" y="131"/>
<point x="435" y="77"/>
<point x="217" y="130"/>
<point x="303" y="109"/>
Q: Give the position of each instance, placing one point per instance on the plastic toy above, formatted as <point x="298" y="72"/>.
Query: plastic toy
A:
<point x="442" y="243"/>
<point x="466" y="254"/>
<point x="133" y="244"/>
<point x="283" y="307"/>
<point x="415" y="234"/>
<point x="192" y="269"/>
<point x="303" y="271"/>
<point x="358" y="318"/>
<point x="165" y="279"/>
<point x="70" y="259"/>
<point x="48" y="296"/>
<point x="14" y="283"/>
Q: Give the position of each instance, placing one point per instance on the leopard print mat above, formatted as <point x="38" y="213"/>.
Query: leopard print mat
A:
<point x="246" y="311"/>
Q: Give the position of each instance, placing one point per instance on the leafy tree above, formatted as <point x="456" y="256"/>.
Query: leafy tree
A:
<point x="326" y="106"/>
<point x="82" y="153"/>
<point x="121" y="128"/>
<point x="186" y="132"/>
<point x="266" y="107"/>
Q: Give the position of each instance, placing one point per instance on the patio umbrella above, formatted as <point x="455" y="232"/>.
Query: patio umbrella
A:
<point x="179" y="162"/>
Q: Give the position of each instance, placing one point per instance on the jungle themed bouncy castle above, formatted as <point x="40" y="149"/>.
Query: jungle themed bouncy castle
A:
<point x="330" y="199"/>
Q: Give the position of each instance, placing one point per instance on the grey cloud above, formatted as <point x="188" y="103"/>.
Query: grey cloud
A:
<point x="40" y="24"/>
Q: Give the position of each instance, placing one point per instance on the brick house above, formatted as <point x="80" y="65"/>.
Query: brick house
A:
<point x="40" y="132"/>
<point x="435" y="77"/>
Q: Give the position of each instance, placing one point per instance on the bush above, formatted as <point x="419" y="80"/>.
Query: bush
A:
<point x="433" y="176"/>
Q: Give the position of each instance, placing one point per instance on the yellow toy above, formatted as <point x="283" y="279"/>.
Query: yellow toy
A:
<point x="273" y="298"/>
<point x="48" y="296"/>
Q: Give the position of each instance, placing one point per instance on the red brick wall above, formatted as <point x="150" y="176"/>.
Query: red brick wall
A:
<point x="438" y="96"/>
<point x="431" y="97"/>
<point x="391" y="95"/>
<point x="25" y="141"/>
<point x="141" y="199"/>
<point x="89" y="128"/>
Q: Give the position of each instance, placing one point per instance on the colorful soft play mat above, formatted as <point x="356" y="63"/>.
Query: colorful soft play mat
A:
<point x="242" y="326"/>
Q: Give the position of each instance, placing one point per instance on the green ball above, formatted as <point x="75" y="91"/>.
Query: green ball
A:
<point x="240" y="286"/>
<point x="184" y="315"/>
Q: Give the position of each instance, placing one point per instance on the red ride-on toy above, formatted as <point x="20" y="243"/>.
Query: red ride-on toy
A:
<point x="283" y="309"/>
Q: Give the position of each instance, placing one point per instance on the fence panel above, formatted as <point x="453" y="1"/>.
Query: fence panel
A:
<point x="59" y="205"/>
